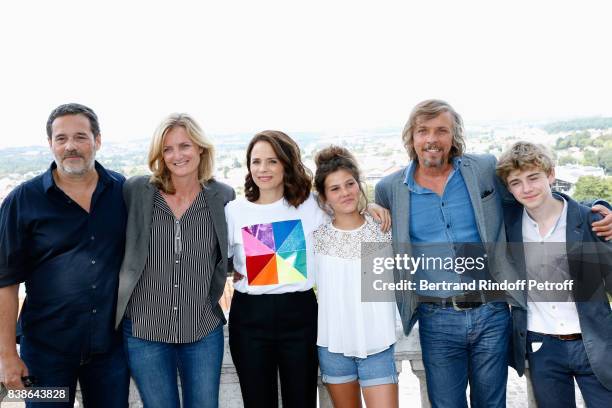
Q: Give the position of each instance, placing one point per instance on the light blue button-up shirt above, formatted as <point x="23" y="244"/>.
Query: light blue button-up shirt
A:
<point x="442" y="219"/>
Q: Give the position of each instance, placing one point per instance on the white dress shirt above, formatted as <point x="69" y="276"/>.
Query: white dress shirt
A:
<point x="549" y="317"/>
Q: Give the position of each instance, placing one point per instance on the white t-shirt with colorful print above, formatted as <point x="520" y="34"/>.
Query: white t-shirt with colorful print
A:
<point x="272" y="244"/>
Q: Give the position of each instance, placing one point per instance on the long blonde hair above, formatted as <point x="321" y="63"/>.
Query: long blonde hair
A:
<point x="161" y="175"/>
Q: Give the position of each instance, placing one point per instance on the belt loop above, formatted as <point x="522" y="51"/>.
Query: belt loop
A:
<point x="457" y="308"/>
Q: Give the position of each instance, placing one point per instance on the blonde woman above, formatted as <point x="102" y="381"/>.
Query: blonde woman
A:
<point x="174" y="269"/>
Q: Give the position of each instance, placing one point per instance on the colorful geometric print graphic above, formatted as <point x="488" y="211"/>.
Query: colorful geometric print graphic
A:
<point x="275" y="253"/>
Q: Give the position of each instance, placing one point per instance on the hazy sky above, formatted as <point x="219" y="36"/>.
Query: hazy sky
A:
<point x="298" y="66"/>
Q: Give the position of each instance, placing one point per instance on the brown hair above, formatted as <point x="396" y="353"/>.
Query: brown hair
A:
<point x="330" y="160"/>
<point x="522" y="156"/>
<point x="427" y="110"/>
<point x="297" y="179"/>
<point x="161" y="175"/>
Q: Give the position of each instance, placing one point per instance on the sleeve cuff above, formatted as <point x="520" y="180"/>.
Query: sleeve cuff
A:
<point x="10" y="277"/>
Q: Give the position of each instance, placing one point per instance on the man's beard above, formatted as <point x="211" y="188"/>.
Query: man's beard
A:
<point x="76" y="170"/>
<point x="433" y="163"/>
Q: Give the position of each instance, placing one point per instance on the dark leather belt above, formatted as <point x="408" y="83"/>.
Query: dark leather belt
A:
<point x="459" y="306"/>
<point x="564" y="337"/>
<point x="465" y="301"/>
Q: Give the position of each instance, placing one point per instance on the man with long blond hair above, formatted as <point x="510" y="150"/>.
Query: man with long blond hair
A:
<point x="453" y="200"/>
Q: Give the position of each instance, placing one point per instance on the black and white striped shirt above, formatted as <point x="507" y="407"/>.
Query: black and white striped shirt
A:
<point x="171" y="301"/>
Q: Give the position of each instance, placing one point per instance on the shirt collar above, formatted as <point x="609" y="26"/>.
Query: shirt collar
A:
<point x="561" y="221"/>
<point x="409" y="180"/>
<point x="104" y="176"/>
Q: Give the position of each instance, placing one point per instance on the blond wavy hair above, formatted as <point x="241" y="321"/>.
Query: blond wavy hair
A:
<point x="161" y="175"/>
<point x="523" y="156"/>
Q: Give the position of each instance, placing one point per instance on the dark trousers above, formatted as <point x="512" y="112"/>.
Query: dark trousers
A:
<point x="270" y="334"/>
<point x="104" y="378"/>
<point x="553" y="367"/>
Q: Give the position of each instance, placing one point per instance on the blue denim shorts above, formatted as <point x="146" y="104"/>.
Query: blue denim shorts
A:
<point x="376" y="369"/>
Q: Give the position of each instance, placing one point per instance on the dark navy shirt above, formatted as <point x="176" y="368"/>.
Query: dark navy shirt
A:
<point x="69" y="260"/>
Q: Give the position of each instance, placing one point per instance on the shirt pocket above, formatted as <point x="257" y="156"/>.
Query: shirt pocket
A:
<point x="487" y="194"/>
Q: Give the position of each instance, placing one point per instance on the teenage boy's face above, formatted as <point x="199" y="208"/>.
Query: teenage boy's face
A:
<point x="530" y="187"/>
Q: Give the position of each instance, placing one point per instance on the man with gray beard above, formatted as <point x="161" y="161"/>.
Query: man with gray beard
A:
<point x="62" y="234"/>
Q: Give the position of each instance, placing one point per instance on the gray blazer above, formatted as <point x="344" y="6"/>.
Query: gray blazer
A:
<point x="486" y="194"/>
<point x="138" y="194"/>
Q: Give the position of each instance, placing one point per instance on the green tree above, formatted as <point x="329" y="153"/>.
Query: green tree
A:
<point x="583" y="139"/>
<point x="591" y="187"/>
<point x="567" y="159"/>
<point x="604" y="159"/>
<point x="589" y="158"/>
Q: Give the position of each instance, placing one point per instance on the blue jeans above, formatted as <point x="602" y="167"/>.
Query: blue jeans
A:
<point x="154" y="368"/>
<point x="104" y="378"/>
<point x="553" y="368"/>
<point x="462" y="346"/>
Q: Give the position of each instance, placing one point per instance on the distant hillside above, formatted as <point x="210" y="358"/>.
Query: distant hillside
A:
<point x="22" y="160"/>
<point x="578" y="124"/>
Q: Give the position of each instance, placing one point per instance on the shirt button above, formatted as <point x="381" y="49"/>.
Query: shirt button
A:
<point x="447" y="225"/>
<point x="177" y="261"/>
<point x="175" y="308"/>
<point x="92" y="237"/>
<point x="554" y="307"/>
<point x="176" y="286"/>
<point x="93" y="261"/>
<point x="442" y="204"/>
<point x="562" y="324"/>
<point x="93" y="286"/>
<point x="176" y="221"/>
<point x="94" y="311"/>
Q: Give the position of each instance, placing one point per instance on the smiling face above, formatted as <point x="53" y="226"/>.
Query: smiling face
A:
<point x="433" y="140"/>
<point x="342" y="192"/>
<point x="73" y="144"/>
<point x="181" y="155"/>
<point x="266" y="169"/>
<point x="531" y="187"/>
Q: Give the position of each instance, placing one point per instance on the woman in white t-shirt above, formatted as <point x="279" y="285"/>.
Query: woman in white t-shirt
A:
<point x="355" y="339"/>
<point x="273" y="316"/>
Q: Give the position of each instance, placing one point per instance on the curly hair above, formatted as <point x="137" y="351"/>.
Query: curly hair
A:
<point x="330" y="160"/>
<point x="297" y="179"/>
<point x="522" y="156"/>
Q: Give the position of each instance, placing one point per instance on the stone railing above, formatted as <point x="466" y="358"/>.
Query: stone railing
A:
<point x="407" y="348"/>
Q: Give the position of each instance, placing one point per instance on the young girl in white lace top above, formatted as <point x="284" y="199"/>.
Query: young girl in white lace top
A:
<point x="355" y="339"/>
